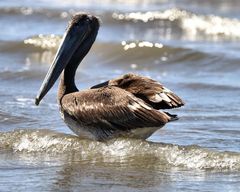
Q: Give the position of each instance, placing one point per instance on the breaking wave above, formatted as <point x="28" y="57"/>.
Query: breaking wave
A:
<point x="191" y="23"/>
<point x="46" y="141"/>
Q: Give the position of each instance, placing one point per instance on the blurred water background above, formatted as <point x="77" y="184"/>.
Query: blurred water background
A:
<point x="191" y="46"/>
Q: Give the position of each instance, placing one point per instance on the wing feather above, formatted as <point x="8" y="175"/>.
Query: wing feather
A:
<point x="111" y="110"/>
<point x="149" y="90"/>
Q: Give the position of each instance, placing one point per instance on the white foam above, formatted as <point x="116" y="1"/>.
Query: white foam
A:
<point x="192" y="157"/>
<point x="189" y="22"/>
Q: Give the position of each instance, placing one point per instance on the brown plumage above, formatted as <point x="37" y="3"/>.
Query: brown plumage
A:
<point x="126" y="106"/>
<point x="151" y="91"/>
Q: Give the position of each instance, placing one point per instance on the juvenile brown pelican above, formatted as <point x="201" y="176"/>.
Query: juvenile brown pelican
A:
<point x="126" y="106"/>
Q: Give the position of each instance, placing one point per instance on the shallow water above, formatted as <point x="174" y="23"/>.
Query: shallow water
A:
<point x="192" y="47"/>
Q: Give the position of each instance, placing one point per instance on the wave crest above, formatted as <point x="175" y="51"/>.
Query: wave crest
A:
<point x="46" y="141"/>
<point x="189" y="22"/>
<point x="44" y="41"/>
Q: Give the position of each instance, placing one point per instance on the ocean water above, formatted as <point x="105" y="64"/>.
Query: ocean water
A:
<point x="191" y="46"/>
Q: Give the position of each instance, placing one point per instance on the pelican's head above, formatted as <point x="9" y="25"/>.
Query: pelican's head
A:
<point x="77" y="41"/>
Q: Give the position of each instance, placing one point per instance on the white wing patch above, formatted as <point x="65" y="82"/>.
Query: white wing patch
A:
<point x="137" y="105"/>
<point x="156" y="98"/>
<point x="134" y="106"/>
<point x="145" y="106"/>
<point x="165" y="97"/>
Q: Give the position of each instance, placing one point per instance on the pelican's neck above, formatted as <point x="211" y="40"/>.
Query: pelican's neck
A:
<point x="67" y="81"/>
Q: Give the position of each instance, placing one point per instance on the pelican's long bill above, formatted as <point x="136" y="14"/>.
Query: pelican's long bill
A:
<point x="72" y="41"/>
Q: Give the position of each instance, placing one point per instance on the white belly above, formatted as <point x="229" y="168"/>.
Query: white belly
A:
<point x="81" y="131"/>
<point x="142" y="133"/>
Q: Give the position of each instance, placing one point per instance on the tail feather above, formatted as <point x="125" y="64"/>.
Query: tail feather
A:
<point x="173" y="117"/>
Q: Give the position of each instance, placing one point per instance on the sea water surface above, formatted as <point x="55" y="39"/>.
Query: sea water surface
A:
<point x="192" y="47"/>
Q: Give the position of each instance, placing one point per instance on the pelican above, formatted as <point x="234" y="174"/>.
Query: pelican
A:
<point x="127" y="106"/>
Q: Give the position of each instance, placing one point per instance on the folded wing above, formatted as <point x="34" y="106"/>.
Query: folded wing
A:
<point x="111" y="110"/>
<point x="149" y="90"/>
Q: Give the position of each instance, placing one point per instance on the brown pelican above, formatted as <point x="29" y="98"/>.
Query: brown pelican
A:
<point x="127" y="106"/>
